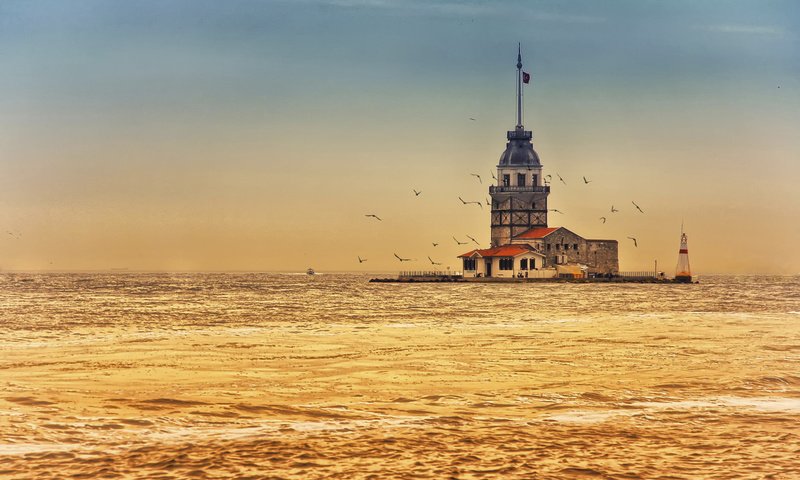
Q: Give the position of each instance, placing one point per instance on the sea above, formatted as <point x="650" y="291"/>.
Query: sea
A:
<point x="291" y="376"/>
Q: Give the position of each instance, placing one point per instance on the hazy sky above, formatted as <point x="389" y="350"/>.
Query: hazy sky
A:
<point x="255" y="135"/>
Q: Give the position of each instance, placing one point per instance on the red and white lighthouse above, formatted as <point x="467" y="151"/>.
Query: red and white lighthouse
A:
<point x="683" y="273"/>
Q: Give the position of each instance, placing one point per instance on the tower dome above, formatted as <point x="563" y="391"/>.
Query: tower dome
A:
<point x="519" y="150"/>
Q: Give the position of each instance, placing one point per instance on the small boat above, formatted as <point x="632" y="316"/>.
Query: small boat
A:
<point x="310" y="271"/>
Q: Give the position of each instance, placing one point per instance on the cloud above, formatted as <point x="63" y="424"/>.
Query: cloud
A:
<point x="744" y="29"/>
<point x="413" y="6"/>
<point x="557" y="17"/>
<point x="470" y="9"/>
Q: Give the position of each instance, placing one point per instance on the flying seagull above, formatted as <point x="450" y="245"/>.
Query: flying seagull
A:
<point x="466" y="202"/>
<point x="416" y="193"/>
<point x="559" y="177"/>
<point x="556" y="210"/>
<point x="472" y="119"/>
<point x="402" y="259"/>
<point x="373" y="216"/>
<point x="476" y="242"/>
<point x="488" y="203"/>
<point x="361" y="260"/>
<point x="635" y="243"/>
<point x="435" y="244"/>
<point x="603" y="219"/>
<point x="637" y="206"/>
<point x="613" y="210"/>
<point x="460" y="243"/>
<point x="493" y="175"/>
<point x="432" y="262"/>
<point x="477" y="176"/>
<point x="586" y="181"/>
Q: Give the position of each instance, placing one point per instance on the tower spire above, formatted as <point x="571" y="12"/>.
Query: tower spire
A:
<point x="519" y="85"/>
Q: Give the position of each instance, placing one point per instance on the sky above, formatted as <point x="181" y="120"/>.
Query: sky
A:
<point x="192" y="135"/>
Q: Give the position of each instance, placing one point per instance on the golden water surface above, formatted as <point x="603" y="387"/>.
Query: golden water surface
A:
<point x="289" y="376"/>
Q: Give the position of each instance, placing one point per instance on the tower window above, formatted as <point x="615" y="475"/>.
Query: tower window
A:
<point x="506" y="180"/>
<point x="521" y="179"/>
<point x="534" y="180"/>
<point x="575" y="246"/>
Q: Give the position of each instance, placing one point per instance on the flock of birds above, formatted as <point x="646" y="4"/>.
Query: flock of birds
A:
<point x="547" y="179"/>
<point x="435" y="244"/>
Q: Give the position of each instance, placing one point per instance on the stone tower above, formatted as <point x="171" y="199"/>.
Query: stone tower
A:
<point x="519" y="200"/>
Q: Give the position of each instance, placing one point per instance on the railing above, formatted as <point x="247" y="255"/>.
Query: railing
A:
<point x="518" y="188"/>
<point x="650" y="274"/>
<point x="429" y="273"/>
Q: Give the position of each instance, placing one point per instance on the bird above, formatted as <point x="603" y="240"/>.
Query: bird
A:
<point x="416" y="193"/>
<point x="472" y="119"/>
<point x="401" y="259"/>
<point x="477" y="176"/>
<point x="586" y="181"/>
<point x="556" y="210"/>
<point x="637" y="206"/>
<point x="373" y="216"/>
<point x="432" y="262"/>
<point x="476" y="242"/>
<point x="361" y="260"/>
<point x="466" y="202"/>
<point x="460" y="243"/>
<point x="495" y="178"/>
<point x="562" y="180"/>
<point x="635" y="243"/>
<point x="613" y="210"/>
<point x="603" y="219"/>
<point x="548" y="176"/>
<point x="488" y="202"/>
<point x="435" y="244"/>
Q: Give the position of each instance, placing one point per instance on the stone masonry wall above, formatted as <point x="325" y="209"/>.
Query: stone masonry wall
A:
<point x="564" y="246"/>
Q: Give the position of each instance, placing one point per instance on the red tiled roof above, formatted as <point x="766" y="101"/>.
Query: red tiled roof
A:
<point x="501" y="251"/>
<point x="537" y="232"/>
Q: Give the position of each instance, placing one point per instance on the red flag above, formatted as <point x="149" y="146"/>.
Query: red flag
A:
<point x="526" y="77"/>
